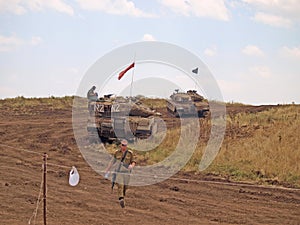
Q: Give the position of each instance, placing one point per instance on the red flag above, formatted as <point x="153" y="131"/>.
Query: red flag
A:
<point x="121" y="74"/>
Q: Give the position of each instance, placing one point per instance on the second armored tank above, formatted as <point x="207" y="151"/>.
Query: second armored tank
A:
<point x="190" y="103"/>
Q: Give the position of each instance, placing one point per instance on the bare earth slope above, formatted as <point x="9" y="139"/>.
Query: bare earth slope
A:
<point x="185" y="199"/>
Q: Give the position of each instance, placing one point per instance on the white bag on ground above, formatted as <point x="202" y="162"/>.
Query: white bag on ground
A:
<point x="74" y="177"/>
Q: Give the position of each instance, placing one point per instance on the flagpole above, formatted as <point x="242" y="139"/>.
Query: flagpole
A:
<point x="195" y="71"/>
<point x="132" y="77"/>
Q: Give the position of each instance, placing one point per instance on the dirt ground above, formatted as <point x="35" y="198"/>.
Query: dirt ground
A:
<point x="184" y="199"/>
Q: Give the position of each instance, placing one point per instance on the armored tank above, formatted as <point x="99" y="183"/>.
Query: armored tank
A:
<point x="183" y="104"/>
<point x="116" y="118"/>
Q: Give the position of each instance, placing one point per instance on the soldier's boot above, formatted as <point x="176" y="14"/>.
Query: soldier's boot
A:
<point x="122" y="202"/>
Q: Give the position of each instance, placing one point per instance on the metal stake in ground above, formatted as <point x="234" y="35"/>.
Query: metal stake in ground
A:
<point x="45" y="188"/>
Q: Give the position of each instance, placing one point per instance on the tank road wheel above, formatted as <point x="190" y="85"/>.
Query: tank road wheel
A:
<point x="176" y="114"/>
<point x="170" y="111"/>
<point x="203" y="113"/>
<point x="93" y="136"/>
<point x="153" y="129"/>
<point x="93" y="139"/>
<point x="104" y="140"/>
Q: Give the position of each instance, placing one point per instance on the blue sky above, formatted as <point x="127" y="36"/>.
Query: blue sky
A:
<point x="252" y="47"/>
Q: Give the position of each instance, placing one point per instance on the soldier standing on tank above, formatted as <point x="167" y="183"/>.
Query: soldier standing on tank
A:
<point x="124" y="169"/>
<point x="92" y="95"/>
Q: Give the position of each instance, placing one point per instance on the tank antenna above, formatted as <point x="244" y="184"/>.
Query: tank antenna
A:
<point x="131" y="85"/>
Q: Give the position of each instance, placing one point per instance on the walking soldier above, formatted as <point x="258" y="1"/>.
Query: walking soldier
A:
<point x="121" y="175"/>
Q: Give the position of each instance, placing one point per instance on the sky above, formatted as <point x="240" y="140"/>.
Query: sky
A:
<point x="252" y="47"/>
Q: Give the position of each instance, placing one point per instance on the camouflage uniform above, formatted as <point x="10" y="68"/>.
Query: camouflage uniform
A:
<point x="123" y="177"/>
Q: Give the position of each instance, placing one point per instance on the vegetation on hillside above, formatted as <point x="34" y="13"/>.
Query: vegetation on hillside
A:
<point x="32" y="106"/>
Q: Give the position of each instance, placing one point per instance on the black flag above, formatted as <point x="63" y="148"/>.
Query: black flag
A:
<point x="195" y="70"/>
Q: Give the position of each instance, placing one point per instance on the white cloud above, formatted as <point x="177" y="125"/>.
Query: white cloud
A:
<point x="287" y="6"/>
<point x="13" y="6"/>
<point x="280" y="13"/>
<point x="177" y="6"/>
<point x="148" y="37"/>
<point x="272" y="20"/>
<point x="211" y="51"/>
<point x="11" y="43"/>
<point x="290" y="52"/>
<point x="261" y="71"/>
<point x="20" y="7"/>
<point x="8" y="44"/>
<point x="59" y="6"/>
<point x="253" y="50"/>
<point x="200" y="8"/>
<point x="35" y="40"/>
<point x="116" y="7"/>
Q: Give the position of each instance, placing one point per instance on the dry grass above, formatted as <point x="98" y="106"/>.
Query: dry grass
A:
<point x="32" y="106"/>
<point x="154" y="103"/>
<point x="162" y="151"/>
<point x="264" y="146"/>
